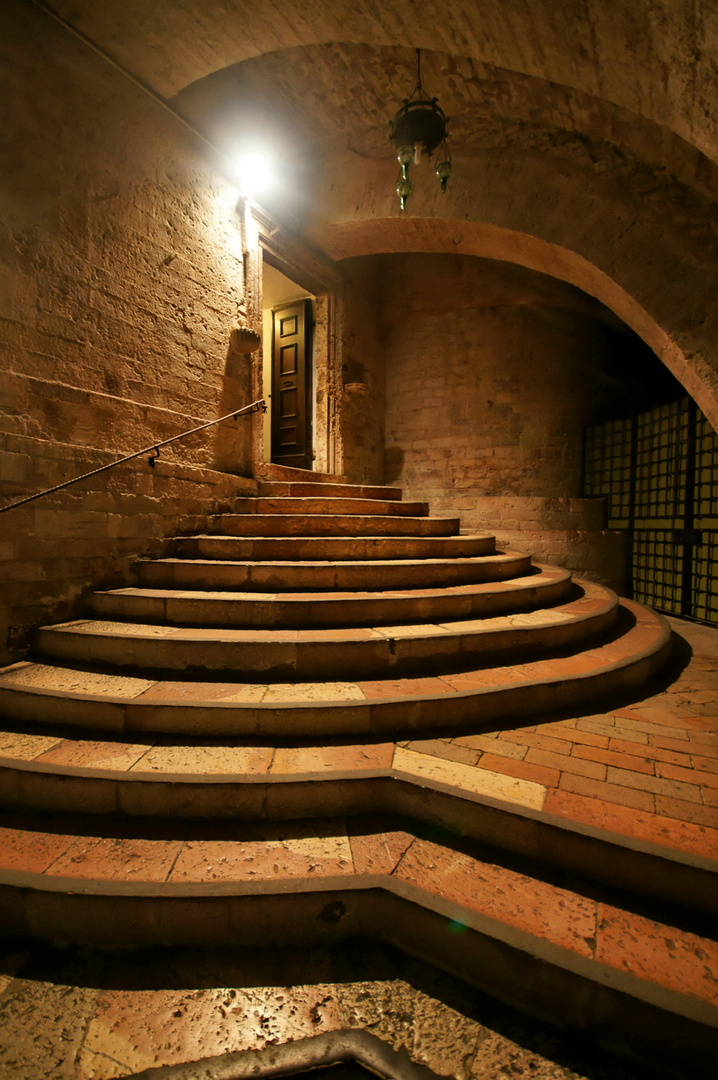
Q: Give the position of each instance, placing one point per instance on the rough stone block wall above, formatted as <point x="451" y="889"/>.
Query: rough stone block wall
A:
<point x="492" y="373"/>
<point x="363" y="376"/>
<point x="490" y="380"/>
<point x="55" y="550"/>
<point x="121" y="278"/>
<point x="559" y="531"/>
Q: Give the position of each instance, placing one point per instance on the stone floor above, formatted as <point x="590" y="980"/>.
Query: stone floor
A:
<point x="647" y="771"/>
<point x="76" y="1015"/>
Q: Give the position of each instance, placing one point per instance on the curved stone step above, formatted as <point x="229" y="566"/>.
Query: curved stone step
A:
<point x="349" y="653"/>
<point x="303" y="576"/>
<point x="334" y="609"/>
<point x="479" y="699"/>
<point x="329" y="548"/>
<point x="335" y="525"/>
<point x="328" y="504"/>
<point x="265" y="470"/>
<point x="517" y="931"/>
<point x="301" y="488"/>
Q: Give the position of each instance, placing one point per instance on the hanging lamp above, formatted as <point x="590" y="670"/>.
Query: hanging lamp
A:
<point x="419" y="127"/>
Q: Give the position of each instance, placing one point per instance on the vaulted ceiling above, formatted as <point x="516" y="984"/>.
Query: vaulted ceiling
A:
<point x="654" y="58"/>
<point x="584" y="134"/>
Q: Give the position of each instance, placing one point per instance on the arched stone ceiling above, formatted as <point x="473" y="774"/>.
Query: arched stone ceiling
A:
<point x="625" y="208"/>
<point x="341" y="95"/>
<point x="646" y="250"/>
<point x="655" y="58"/>
<point x="589" y="127"/>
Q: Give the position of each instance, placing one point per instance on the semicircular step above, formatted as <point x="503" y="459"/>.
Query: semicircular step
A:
<point x="212" y="546"/>
<point x="32" y="691"/>
<point x="286" y="610"/>
<point x="298" y="489"/>
<point x="349" y="652"/>
<point x="301" y="576"/>
<point x="335" y="525"/>
<point x="292" y="504"/>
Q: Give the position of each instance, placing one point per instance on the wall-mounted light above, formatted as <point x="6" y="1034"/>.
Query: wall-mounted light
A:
<point x="255" y="172"/>
<point x="419" y="127"/>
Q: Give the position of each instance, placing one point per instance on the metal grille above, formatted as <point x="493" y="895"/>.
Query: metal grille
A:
<point x="658" y="566"/>
<point x="706" y="491"/>
<point x="607" y="468"/>
<point x="705" y="553"/>
<point x="659" y="475"/>
<point x="660" y="469"/>
<point x="705" y="579"/>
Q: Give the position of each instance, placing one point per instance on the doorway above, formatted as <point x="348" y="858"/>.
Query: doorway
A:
<point x="288" y="317"/>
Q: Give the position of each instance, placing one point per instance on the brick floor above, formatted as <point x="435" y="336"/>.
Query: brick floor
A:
<point x="649" y="770"/>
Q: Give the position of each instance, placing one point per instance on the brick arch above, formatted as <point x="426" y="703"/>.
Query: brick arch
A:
<point x="662" y="290"/>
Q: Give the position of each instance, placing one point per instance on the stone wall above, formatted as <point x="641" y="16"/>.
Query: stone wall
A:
<point x="492" y="373"/>
<point x="363" y="377"/>
<point x="121" y="275"/>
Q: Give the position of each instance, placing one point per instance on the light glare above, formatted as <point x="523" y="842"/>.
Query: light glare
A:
<point x="255" y="172"/>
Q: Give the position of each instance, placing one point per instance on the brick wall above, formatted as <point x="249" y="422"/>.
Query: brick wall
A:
<point x="362" y="403"/>
<point x="491" y="374"/>
<point x="121" y="278"/>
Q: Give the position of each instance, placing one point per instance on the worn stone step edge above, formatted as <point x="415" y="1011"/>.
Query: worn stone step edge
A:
<point x="306" y="576"/>
<point x="647" y="868"/>
<point x="330" y="548"/>
<point x="276" y="525"/>
<point x="303" y="488"/>
<point x="327" y="504"/>
<point x="348" y="654"/>
<point x="482" y="708"/>
<point x="265" y="470"/>
<point x="332" y="609"/>
<point x="121" y="913"/>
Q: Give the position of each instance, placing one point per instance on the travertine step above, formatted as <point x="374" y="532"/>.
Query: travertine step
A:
<point x="268" y="646"/>
<point x="59" y="771"/>
<point x="351" y="652"/>
<point x="330" y="548"/>
<point x="275" y="488"/>
<point x="302" y="576"/>
<point x="265" y="470"/>
<point x="310" y="581"/>
<point x="334" y="525"/>
<point x="293" y="611"/>
<point x="523" y="933"/>
<point x="480" y="698"/>
<point x="329" y="505"/>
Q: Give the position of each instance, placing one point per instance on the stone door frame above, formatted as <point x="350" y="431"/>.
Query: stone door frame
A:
<point x="313" y="271"/>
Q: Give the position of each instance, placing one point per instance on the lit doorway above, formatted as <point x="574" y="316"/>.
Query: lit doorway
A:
<point x="288" y="343"/>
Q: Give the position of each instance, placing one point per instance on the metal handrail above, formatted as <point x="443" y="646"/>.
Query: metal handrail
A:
<point x="153" y="449"/>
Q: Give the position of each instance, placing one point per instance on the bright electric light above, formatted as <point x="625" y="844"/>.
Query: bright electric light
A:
<point x="255" y="172"/>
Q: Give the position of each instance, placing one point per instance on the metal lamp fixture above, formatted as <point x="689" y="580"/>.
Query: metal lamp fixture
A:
<point x="419" y="126"/>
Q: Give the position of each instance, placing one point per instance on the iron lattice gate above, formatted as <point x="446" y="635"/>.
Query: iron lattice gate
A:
<point x="659" y="474"/>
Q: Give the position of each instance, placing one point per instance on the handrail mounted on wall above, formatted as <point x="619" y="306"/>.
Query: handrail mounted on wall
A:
<point x="153" y="450"/>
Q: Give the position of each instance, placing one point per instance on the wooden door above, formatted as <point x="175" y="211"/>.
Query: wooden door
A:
<point x="291" y="383"/>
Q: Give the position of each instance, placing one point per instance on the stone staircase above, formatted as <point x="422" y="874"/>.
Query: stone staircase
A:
<point x="215" y="756"/>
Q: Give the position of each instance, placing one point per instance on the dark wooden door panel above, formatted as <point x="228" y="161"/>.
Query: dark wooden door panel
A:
<point x="291" y="382"/>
